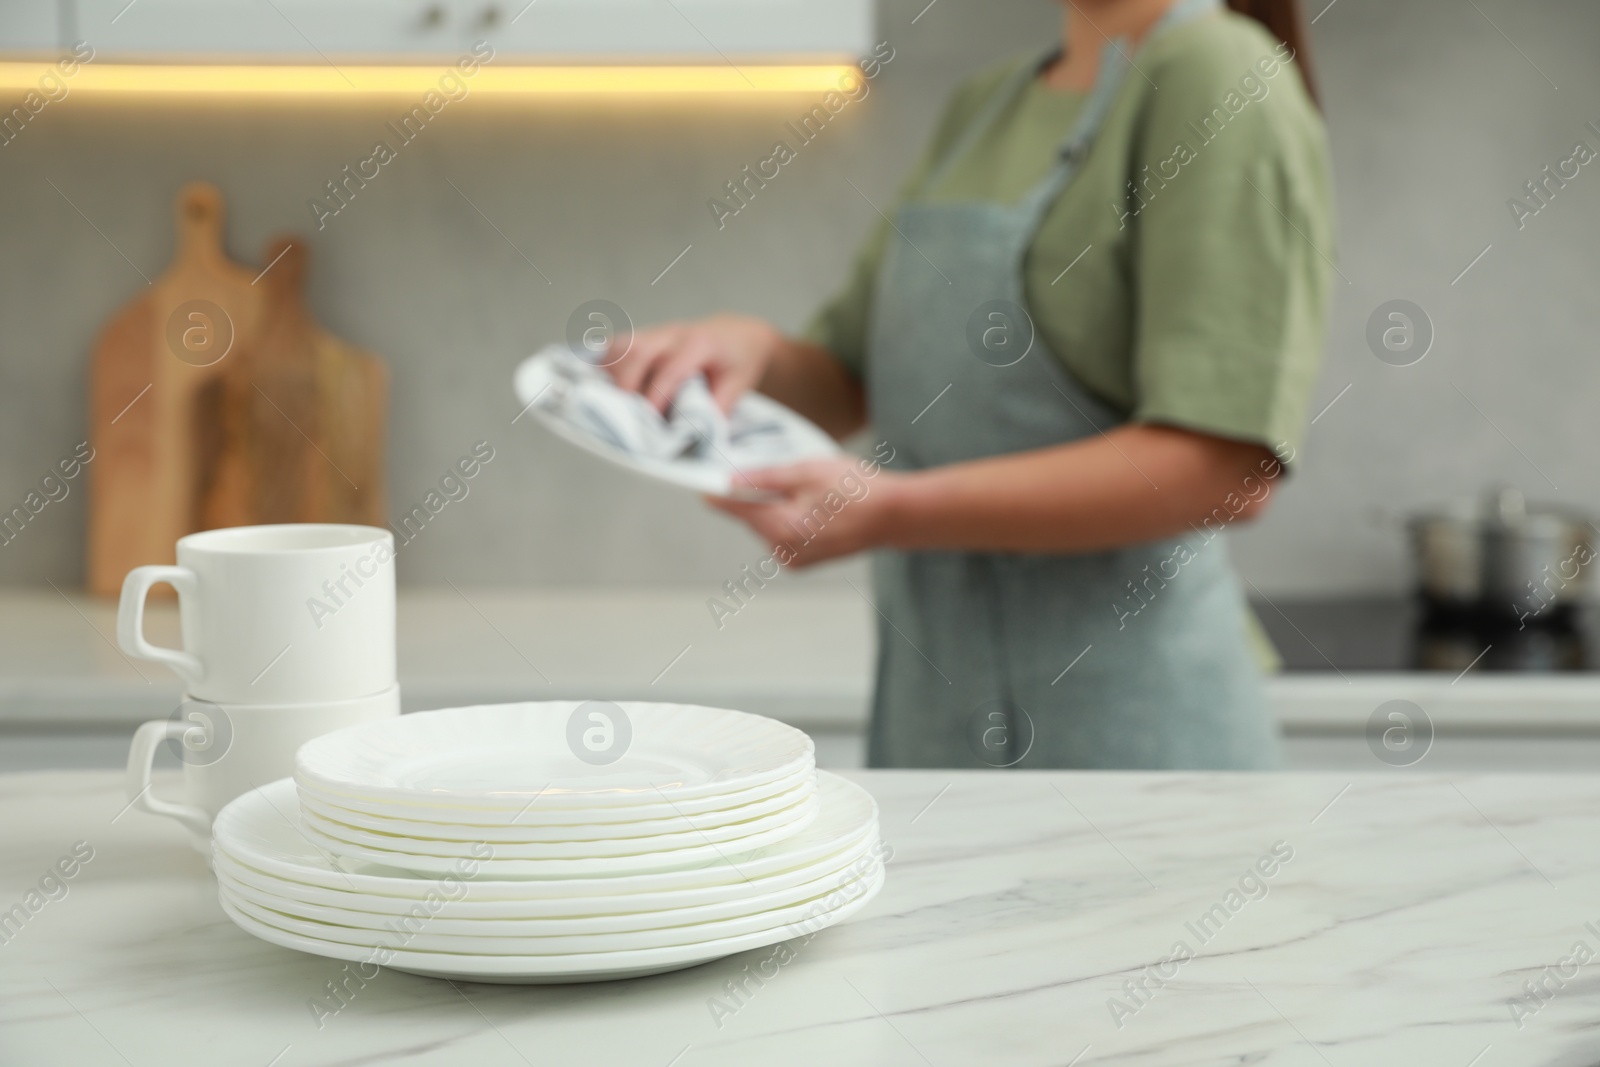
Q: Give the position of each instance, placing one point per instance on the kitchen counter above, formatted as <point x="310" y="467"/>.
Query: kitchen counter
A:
<point x="1028" y="918"/>
<point x="801" y="653"/>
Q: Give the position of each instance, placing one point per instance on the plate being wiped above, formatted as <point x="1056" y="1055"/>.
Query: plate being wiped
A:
<point x="694" y="445"/>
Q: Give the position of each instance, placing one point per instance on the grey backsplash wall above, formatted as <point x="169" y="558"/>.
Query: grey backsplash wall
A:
<point x="1436" y="119"/>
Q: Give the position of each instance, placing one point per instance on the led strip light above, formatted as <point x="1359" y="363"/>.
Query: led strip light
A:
<point x="554" y="80"/>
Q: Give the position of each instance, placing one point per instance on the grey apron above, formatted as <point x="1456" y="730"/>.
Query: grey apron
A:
<point x="974" y="647"/>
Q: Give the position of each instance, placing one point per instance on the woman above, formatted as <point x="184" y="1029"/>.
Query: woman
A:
<point x="1086" y="340"/>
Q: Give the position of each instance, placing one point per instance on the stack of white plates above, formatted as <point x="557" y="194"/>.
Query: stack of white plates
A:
<point x="491" y="843"/>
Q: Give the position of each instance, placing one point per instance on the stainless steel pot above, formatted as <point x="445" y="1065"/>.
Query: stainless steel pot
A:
<point x="1503" y="555"/>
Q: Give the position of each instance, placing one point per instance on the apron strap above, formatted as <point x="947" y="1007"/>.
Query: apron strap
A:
<point x="1114" y="64"/>
<point x="1010" y="89"/>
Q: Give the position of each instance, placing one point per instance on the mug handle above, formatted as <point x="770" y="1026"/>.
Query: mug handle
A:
<point x="140" y="758"/>
<point x="130" y="619"/>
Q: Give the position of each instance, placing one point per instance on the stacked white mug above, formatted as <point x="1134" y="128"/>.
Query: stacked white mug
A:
<point x="288" y="634"/>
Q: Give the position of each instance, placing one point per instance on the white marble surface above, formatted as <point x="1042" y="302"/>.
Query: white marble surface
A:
<point x="1405" y="924"/>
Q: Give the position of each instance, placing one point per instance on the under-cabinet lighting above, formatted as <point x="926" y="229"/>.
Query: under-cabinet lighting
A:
<point x="398" y="81"/>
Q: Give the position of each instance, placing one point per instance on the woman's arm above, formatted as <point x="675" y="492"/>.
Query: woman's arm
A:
<point x="807" y="378"/>
<point x="1132" y="484"/>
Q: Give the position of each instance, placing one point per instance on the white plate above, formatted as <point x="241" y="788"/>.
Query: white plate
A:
<point x="547" y="862"/>
<point x="797" y="814"/>
<point x="536" y="379"/>
<point x="754" y="903"/>
<point x="586" y="967"/>
<point x="723" y="822"/>
<point x="421" y="936"/>
<point x="261" y="829"/>
<point x="627" y="912"/>
<point x="705" y="811"/>
<point x="511" y="756"/>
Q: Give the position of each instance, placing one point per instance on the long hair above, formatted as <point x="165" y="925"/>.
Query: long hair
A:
<point x="1283" y="20"/>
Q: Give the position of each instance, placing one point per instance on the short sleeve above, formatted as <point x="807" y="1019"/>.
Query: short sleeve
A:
<point x="840" y="325"/>
<point x="1233" y="248"/>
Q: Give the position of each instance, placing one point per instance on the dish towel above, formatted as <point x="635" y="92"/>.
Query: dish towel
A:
<point x="693" y="430"/>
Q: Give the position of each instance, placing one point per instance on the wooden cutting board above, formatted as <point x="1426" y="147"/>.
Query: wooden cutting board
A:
<point x="216" y="400"/>
<point x="302" y="435"/>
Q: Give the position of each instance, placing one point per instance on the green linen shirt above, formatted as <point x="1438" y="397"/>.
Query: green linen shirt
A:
<point x="1183" y="277"/>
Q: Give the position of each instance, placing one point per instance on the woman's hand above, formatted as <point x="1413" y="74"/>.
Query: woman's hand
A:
<point x="732" y="351"/>
<point x="829" y="508"/>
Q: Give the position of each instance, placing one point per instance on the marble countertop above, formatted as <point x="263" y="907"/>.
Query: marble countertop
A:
<point x="802" y="653"/>
<point x="1029" y="918"/>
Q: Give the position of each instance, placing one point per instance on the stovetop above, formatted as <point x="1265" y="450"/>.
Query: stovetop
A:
<point x="1404" y="634"/>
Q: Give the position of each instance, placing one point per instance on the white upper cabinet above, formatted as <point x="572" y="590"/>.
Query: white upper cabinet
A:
<point x="289" y="31"/>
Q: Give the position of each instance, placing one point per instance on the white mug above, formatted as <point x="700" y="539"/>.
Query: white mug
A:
<point x="291" y="614"/>
<point x="229" y="749"/>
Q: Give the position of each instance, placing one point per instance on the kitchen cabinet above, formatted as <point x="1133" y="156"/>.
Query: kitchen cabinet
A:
<point x="313" y="31"/>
